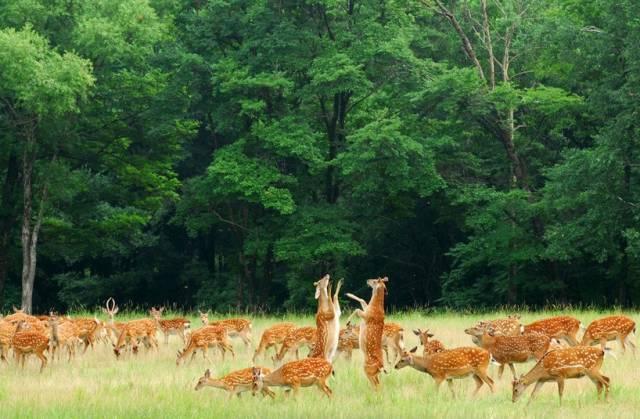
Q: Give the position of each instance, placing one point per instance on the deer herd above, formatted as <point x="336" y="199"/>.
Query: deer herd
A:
<point x="551" y="343"/>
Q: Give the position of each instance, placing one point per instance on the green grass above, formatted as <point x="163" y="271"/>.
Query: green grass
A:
<point x="96" y="385"/>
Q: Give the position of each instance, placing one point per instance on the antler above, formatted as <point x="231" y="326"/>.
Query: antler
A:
<point x="111" y="306"/>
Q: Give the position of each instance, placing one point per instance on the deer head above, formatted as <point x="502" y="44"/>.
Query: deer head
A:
<point x="257" y="379"/>
<point x="518" y="389"/>
<point x="203" y="380"/>
<point x="406" y="359"/>
<point x="378" y="284"/>
<point x="321" y="286"/>
<point x="204" y="317"/>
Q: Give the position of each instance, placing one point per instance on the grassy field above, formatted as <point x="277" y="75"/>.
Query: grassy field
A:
<point x="150" y="385"/>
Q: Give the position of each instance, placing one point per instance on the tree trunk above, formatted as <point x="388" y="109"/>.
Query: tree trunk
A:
<point x="7" y="217"/>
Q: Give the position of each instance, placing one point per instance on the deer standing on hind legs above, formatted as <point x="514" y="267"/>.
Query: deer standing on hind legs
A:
<point x="327" y="320"/>
<point x="371" y="329"/>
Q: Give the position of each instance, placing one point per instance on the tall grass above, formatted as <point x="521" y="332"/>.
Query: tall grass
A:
<point x="96" y="385"/>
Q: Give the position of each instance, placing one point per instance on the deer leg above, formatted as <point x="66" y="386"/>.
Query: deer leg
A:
<point x="325" y="389"/>
<point x="166" y="337"/>
<point x="268" y="392"/>
<point x="500" y="371"/>
<point x="513" y="371"/>
<point x="560" y="381"/>
<point x="484" y="377"/>
<point x="629" y="340"/>
<point x="229" y="348"/>
<point x="359" y="313"/>
<point x="362" y="302"/>
<point x="535" y="390"/>
<point x="479" y="383"/>
<point x="43" y="358"/>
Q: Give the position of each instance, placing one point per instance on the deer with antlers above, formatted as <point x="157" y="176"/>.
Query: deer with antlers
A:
<point x="609" y="328"/>
<point x="295" y="374"/>
<point x="112" y="328"/>
<point x="204" y="338"/>
<point x="236" y="327"/>
<point x="450" y="364"/>
<point x="372" y="328"/>
<point x="327" y="320"/>
<point x="235" y="383"/>
<point x="560" y="327"/>
<point x="562" y="364"/>
<point x="273" y="336"/>
<point x="177" y="326"/>
<point x="134" y="332"/>
<point x="27" y="341"/>
<point x="430" y="346"/>
<point x="295" y="339"/>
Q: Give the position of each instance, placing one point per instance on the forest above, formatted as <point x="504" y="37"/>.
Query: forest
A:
<point x="224" y="154"/>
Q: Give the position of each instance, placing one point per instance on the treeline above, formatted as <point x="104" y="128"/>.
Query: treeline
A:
<point x="226" y="154"/>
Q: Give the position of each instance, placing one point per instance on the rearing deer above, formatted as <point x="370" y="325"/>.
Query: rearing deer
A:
<point x="371" y="329"/>
<point x="327" y="320"/>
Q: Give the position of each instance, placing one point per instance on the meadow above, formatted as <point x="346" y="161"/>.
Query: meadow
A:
<point x="96" y="385"/>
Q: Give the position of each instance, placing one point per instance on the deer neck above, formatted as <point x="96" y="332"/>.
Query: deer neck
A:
<point x="377" y="299"/>
<point x="421" y="363"/>
<point x="487" y="340"/>
<point x="534" y="375"/>
<point x="54" y="332"/>
<point x="274" y="379"/>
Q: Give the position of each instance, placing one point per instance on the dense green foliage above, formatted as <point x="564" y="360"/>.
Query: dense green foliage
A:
<point x="227" y="153"/>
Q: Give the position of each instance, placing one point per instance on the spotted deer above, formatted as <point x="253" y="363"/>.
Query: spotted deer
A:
<point x="510" y="326"/>
<point x="560" y="327"/>
<point x="235" y="383"/>
<point x="204" y="338"/>
<point x="450" y="364"/>
<point x="609" y="328"/>
<point x="295" y="374"/>
<point x="327" y="320"/>
<point x="177" y="326"/>
<point x="562" y="364"/>
<point x="349" y="340"/>
<point x="509" y="350"/>
<point x="7" y="330"/>
<point x="430" y="346"/>
<point x="64" y="335"/>
<point x="88" y="330"/>
<point x="295" y="339"/>
<point x="27" y="341"/>
<point x="392" y="339"/>
<point x="237" y="327"/>
<point x="134" y="332"/>
<point x="273" y="336"/>
<point x="372" y="328"/>
<point x="112" y="328"/>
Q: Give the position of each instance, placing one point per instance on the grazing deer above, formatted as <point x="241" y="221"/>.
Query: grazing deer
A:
<point x="560" y="327"/>
<point x="28" y="341"/>
<point x="610" y="328"/>
<point x="296" y="338"/>
<point x="237" y="327"/>
<point x="273" y="336"/>
<point x="450" y="364"/>
<point x="176" y="326"/>
<point x="63" y="335"/>
<point x="561" y="364"/>
<point x="372" y="328"/>
<point x="112" y="328"/>
<point x="235" y="383"/>
<point x="7" y="330"/>
<point x="510" y="350"/>
<point x="430" y="346"/>
<point x="88" y="330"/>
<point x="327" y="320"/>
<point x="510" y="326"/>
<point x="204" y="338"/>
<point x="135" y="331"/>
<point x="349" y="340"/>
<point x="295" y="374"/>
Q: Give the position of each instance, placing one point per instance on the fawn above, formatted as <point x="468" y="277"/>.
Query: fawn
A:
<point x="88" y="330"/>
<point x="7" y="330"/>
<point x="610" y="328"/>
<point x="176" y="326"/>
<point x="349" y="340"/>
<point x="235" y="383"/>
<point x="63" y="335"/>
<point x="237" y="327"/>
<point x="327" y="320"/>
<point x="372" y="328"/>
<point x="560" y="327"/>
<point x="295" y="374"/>
<point x="450" y="364"/>
<point x="429" y="346"/>
<point x="273" y="336"/>
<point x="135" y="331"/>
<point x="28" y="341"/>
<point x="561" y="364"/>
<point x="514" y="349"/>
<point x="203" y="338"/>
<point x="296" y="338"/>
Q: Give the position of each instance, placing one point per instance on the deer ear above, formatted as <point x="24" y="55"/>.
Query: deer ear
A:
<point x="207" y="373"/>
<point x="161" y="309"/>
<point x="415" y="348"/>
<point x="416" y="332"/>
<point x="317" y="293"/>
<point x="430" y="335"/>
<point x="385" y="279"/>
